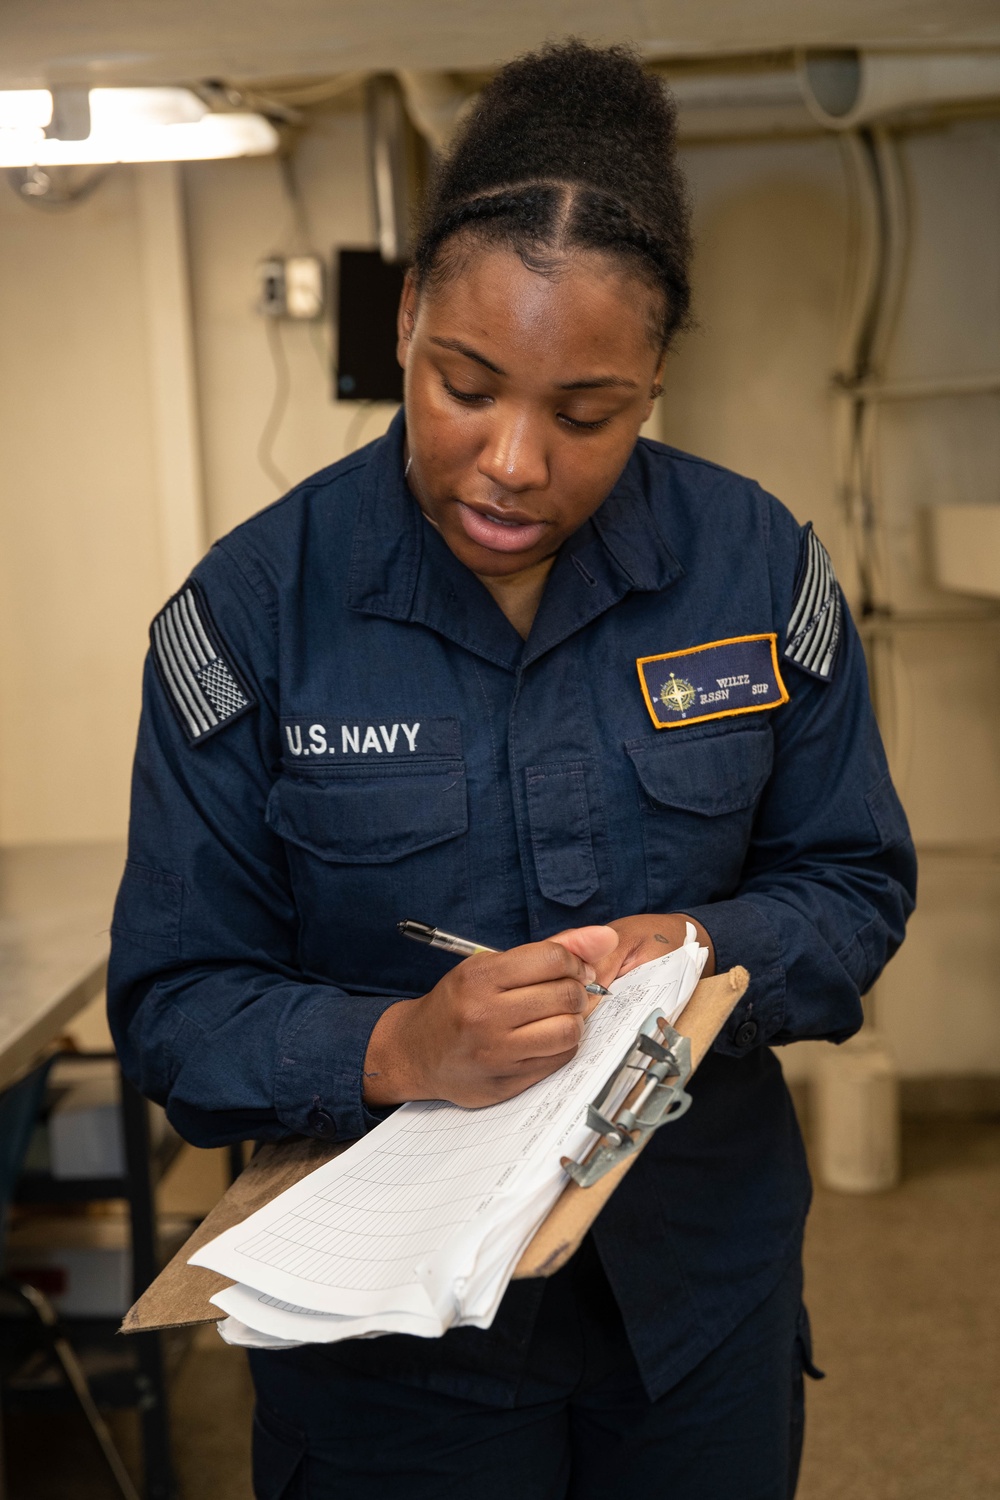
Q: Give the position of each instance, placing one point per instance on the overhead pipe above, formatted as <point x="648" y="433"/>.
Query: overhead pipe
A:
<point x="738" y="103"/>
<point x="435" y="102"/>
<point x="830" y="90"/>
<point x="389" y="165"/>
<point x="847" y="89"/>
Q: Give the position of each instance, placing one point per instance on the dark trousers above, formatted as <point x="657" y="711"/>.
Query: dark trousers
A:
<point x="582" y="1427"/>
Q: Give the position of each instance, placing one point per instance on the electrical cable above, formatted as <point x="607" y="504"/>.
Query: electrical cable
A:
<point x="296" y="239"/>
<point x="860" y="292"/>
<point x="279" y="405"/>
<point x="302" y="242"/>
<point x="301" y="237"/>
<point x="879" y="213"/>
<point x="896" y="208"/>
<point x="876" y="190"/>
<point x="862" y="268"/>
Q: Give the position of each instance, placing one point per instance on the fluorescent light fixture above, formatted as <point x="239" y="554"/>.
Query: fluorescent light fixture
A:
<point x="157" y="124"/>
<point x="25" y="109"/>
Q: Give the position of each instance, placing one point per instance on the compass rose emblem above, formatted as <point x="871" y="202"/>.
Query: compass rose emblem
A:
<point x="677" y="694"/>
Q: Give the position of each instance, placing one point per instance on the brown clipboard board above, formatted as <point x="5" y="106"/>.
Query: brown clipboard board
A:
<point x="179" y="1297"/>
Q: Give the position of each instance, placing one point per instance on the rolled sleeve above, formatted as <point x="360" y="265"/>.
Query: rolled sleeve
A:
<point x="742" y="934"/>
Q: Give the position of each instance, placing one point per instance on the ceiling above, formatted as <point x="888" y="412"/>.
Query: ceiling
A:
<point x="148" y="41"/>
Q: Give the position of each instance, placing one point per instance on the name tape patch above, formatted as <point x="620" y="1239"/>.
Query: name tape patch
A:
<point x="321" y="739"/>
<point x="736" y="676"/>
<point x="202" y="683"/>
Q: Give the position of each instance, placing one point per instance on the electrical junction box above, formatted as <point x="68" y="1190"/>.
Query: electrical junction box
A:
<point x="304" y="287"/>
<point x="292" y="286"/>
<point x="368" y="293"/>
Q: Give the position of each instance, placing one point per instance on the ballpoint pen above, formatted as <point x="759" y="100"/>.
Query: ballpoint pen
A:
<point x="421" y="932"/>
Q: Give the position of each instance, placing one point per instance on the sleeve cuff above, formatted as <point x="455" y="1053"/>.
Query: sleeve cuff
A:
<point x="321" y="1047"/>
<point x="742" y="934"/>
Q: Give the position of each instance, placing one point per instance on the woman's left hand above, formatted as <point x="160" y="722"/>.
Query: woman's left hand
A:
<point x="643" y="938"/>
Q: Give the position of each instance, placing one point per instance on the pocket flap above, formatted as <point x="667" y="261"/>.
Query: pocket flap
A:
<point x="370" y="820"/>
<point x="719" y="773"/>
<point x="560" y="832"/>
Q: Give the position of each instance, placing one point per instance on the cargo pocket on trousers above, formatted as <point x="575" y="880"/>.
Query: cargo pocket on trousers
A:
<point x="804" y="1346"/>
<point x="802" y="1365"/>
<point x="279" y="1453"/>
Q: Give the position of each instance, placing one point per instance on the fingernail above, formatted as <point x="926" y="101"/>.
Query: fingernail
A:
<point x="590" y="973"/>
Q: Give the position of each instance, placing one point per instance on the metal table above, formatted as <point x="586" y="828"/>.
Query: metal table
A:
<point x="55" y="911"/>
<point x="55" y="914"/>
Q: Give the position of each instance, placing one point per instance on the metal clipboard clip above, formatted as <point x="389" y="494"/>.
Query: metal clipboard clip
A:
<point x="663" y="1059"/>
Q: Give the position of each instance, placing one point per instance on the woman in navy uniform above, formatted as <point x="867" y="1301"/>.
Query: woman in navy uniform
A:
<point x="518" y="672"/>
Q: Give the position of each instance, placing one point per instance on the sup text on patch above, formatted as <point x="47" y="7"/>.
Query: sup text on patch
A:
<point x="714" y="681"/>
<point x="201" y="681"/>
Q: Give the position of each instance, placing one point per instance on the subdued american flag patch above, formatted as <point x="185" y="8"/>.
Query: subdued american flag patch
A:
<point x="202" y="683"/>
<point x="814" y="626"/>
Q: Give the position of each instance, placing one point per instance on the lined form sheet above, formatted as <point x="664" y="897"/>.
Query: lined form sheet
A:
<point x="419" y="1225"/>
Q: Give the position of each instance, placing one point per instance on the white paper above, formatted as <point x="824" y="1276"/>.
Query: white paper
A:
<point x="419" y="1225"/>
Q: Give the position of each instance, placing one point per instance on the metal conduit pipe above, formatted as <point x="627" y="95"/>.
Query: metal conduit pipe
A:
<point x="839" y="90"/>
<point x="435" y="103"/>
<point x="846" y="89"/>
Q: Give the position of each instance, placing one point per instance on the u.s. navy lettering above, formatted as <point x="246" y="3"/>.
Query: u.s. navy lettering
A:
<point x="317" y="737"/>
<point x="357" y="739"/>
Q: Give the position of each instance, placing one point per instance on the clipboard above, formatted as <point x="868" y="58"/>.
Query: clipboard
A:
<point x="180" y="1295"/>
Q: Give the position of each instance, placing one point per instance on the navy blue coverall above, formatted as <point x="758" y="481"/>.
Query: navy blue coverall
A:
<point x="340" y="729"/>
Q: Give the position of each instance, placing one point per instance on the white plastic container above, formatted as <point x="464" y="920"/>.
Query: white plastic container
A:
<point x="855" y="1116"/>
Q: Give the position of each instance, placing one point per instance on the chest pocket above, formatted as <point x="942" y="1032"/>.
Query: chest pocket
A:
<point x="365" y="850"/>
<point x="370" y="820"/>
<point x="697" y="801"/>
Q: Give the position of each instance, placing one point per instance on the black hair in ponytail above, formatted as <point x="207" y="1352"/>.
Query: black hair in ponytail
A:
<point x="572" y="147"/>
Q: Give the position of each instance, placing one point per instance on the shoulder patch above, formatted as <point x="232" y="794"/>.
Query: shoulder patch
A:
<point x="815" y="622"/>
<point x="202" y="682"/>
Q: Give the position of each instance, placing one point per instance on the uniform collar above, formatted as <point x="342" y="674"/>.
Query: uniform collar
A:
<point x="401" y="569"/>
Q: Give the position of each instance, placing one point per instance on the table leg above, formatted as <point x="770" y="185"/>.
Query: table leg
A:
<point x="151" y="1378"/>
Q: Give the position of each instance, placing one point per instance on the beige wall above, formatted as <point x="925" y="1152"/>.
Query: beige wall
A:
<point x="939" y="684"/>
<point x="82" y="564"/>
<point x="81" y="551"/>
<point x="749" y="386"/>
<point x="238" y="213"/>
<point x="751" y="389"/>
<point x="78" y="549"/>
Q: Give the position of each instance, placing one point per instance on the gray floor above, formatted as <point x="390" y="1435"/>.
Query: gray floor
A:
<point x="904" y="1294"/>
<point x="905" y="1300"/>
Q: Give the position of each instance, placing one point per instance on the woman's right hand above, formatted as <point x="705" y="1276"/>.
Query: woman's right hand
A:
<point x="494" y="1025"/>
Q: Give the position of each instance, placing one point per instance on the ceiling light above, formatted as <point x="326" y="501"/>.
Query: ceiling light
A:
<point x="156" y="124"/>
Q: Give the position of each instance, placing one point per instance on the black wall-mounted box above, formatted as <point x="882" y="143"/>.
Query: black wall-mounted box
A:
<point x="368" y="293"/>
